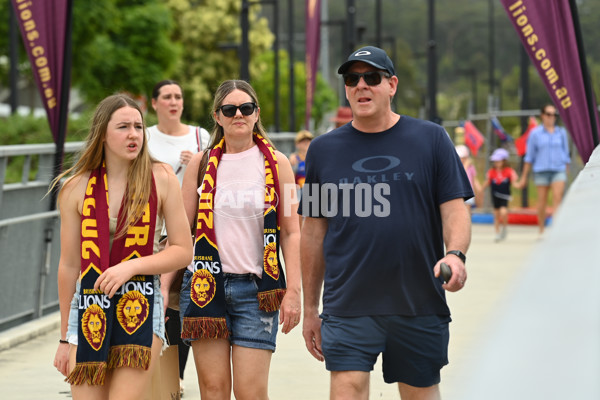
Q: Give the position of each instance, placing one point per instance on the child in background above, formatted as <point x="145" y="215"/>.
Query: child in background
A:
<point x="500" y="178"/>
<point x="465" y="158"/>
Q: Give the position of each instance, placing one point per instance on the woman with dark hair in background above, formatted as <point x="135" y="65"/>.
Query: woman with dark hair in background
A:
<point x="171" y="141"/>
<point x="174" y="143"/>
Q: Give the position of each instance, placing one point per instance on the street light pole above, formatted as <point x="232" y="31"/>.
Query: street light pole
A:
<point x="432" y="65"/>
<point x="524" y="106"/>
<point x="245" y="47"/>
<point x="491" y="48"/>
<point x="378" y="23"/>
<point x="292" y="115"/>
<point x="276" y="53"/>
<point x="351" y="25"/>
<point x="14" y="55"/>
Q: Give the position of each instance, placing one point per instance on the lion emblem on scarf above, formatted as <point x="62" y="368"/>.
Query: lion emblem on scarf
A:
<point x="270" y="260"/>
<point x="93" y="325"/>
<point x="132" y="311"/>
<point x="203" y="287"/>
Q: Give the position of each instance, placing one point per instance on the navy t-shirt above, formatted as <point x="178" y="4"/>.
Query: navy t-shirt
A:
<point x="381" y="194"/>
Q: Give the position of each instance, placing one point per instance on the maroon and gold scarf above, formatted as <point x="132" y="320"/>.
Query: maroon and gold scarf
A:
<point x="205" y="316"/>
<point x="112" y="332"/>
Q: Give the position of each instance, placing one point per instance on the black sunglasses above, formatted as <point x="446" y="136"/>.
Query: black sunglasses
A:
<point x="372" y="78"/>
<point x="229" y="110"/>
<point x="551" y="114"/>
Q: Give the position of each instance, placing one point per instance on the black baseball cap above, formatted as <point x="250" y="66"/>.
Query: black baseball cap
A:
<point x="371" y="55"/>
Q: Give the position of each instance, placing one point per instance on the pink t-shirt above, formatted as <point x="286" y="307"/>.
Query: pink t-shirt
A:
<point x="238" y="214"/>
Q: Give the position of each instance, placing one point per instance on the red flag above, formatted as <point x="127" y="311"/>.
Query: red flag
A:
<point x="313" y="38"/>
<point x="473" y="138"/>
<point x="521" y="142"/>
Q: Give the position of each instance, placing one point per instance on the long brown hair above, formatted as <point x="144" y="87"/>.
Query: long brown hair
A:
<point x="139" y="174"/>
<point x="223" y="91"/>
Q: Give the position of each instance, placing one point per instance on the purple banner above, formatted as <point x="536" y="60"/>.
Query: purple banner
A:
<point x="43" y="25"/>
<point x="313" y="41"/>
<point x="547" y="31"/>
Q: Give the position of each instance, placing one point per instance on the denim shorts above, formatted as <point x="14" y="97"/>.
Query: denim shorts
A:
<point x="546" y="178"/>
<point x="248" y="325"/>
<point x="158" y="314"/>
<point x="414" y="348"/>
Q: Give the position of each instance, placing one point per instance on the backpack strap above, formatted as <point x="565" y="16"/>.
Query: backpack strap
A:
<point x="198" y="141"/>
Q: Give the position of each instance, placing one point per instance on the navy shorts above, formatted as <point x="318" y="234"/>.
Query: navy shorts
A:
<point x="414" y="348"/>
<point x="497" y="202"/>
<point x="248" y="325"/>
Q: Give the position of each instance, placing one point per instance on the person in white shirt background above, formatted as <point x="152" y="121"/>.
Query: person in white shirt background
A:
<point x="174" y="143"/>
<point x="171" y="141"/>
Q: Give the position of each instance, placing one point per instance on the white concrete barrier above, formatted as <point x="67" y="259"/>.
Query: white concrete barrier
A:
<point x="545" y="340"/>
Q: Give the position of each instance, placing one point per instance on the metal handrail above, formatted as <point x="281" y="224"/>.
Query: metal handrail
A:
<point x="28" y="218"/>
<point x="41" y="148"/>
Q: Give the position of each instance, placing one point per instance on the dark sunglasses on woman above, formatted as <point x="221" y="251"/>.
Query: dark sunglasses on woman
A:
<point x="229" y="110"/>
<point x="372" y="78"/>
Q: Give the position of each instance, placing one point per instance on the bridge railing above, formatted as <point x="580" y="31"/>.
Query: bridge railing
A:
<point x="30" y="230"/>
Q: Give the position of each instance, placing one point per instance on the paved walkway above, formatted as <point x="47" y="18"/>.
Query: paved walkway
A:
<point x="26" y="370"/>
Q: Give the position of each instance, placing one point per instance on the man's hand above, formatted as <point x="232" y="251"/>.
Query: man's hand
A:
<point x="311" y="330"/>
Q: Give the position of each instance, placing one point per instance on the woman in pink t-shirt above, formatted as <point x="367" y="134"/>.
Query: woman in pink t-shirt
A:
<point x="236" y="251"/>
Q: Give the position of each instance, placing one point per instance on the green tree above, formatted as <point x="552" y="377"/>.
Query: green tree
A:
<point x="207" y="29"/>
<point x="121" y="45"/>
<point x="324" y="99"/>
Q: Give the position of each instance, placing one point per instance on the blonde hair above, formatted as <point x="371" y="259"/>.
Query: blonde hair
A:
<point x="223" y="91"/>
<point x="139" y="174"/>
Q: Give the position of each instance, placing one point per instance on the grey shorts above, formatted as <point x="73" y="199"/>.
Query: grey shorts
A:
<point x="158" y="314"/>
<point x="546" y="178"/>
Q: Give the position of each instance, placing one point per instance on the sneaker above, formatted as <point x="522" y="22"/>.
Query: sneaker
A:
<point x="503" y="233"/>
<point x="498" y="237"/>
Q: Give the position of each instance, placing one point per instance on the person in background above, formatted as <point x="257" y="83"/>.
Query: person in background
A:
<point x="302" y="142"/>
<point x="171" y="141"/>
<point x="500" y="178"/>
<point x="111" y="307"/>
<point x="174" y="143"/>
<point x="467" y="162"/>
<point x="548" y="157"/>
<point x="239" y="195"/>
<point x="342" y="117"/>
<point x="384" y="205"/>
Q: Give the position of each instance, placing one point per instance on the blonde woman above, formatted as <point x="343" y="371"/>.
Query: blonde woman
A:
<point x="112" y="318"/>
<point x="239" y="197"/>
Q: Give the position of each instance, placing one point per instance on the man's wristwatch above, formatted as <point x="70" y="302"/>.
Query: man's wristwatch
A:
<point x="458" y="254"/>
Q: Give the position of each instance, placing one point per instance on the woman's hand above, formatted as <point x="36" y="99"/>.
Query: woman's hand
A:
<point x="61" y="359"/>
<point x="114" y="277"/>
<point x="185" y="157"/>
<point x="289" y="312"/>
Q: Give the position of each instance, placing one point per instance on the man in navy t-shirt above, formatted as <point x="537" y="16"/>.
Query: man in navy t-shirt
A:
<point x="384" y="200"/>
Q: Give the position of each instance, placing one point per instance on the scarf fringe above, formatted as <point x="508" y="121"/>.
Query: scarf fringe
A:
<point x="270" y="300"/>
<point x="92" y="373"/>
<point x="129" y="355"/>
<point x="204" y="328"/>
